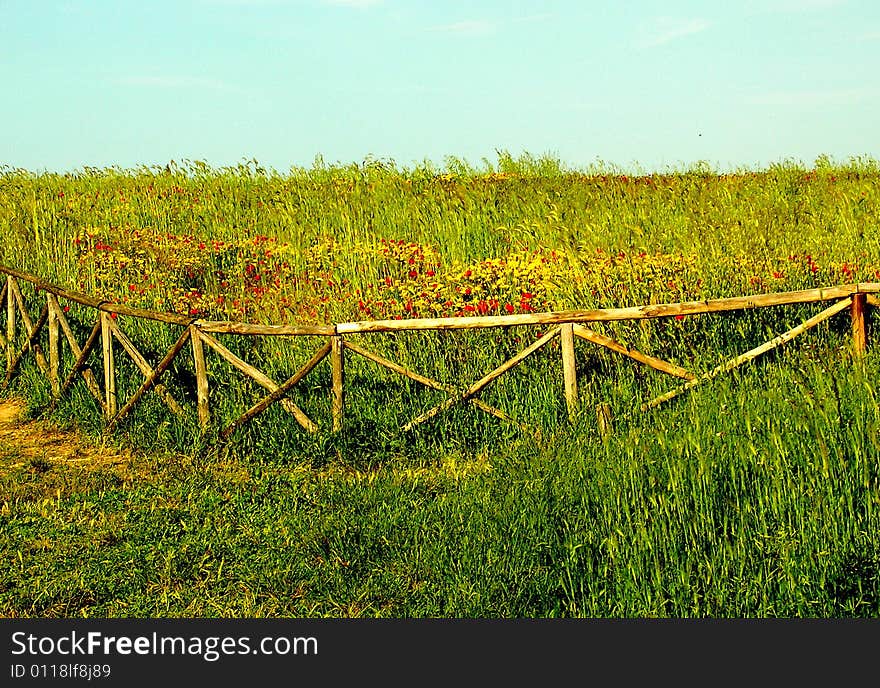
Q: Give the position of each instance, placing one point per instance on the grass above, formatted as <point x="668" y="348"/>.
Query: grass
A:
<point x="719" y="507"/>
<point x="756" y="495"/>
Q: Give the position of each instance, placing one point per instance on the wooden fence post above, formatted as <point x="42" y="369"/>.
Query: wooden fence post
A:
<point x="10" y="324"/>
<point x="338" y="375"/>
<point x="603" y="416"/>
<point x="54" y="358"/>
<point x="109" y="368"/>
<point x="569" y="371"/>
<point x="859" y="324"/>
<point x="201" y="376"/>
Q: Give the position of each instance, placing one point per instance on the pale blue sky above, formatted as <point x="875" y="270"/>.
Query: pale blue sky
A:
<point x="641" y="84"/>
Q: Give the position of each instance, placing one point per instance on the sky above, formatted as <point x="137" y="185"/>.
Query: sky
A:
<point x="640" y="85"/>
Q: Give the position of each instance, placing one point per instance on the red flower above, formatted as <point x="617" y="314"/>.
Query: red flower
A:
<point x="413" y="274"/>
<point x="509" y="307"/>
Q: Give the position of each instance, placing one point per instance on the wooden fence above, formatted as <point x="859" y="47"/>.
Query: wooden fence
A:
<point x="336" y="342"/>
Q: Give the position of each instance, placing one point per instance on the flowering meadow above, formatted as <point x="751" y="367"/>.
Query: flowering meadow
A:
<point x="372" y="241"/>
<point x="755" y="495"/>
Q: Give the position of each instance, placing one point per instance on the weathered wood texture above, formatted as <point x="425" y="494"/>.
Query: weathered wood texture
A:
<point x="109" y="367"/>
<point x="337" y="372"/>
<point x="283" y="389"/>
<point x="150" y="382"/>
<point x="569" y="369"/>
<point x="224" y="327"/>
<point x="10" y="326"/>
<point x="603" y="418"/>
<point x="569" y="324"/>
<point x="651" y="361"/>
<point x="142" y="365"/>
<point x="485" y="380"/>
<point x="752" y="354"/>
<point x="429" y="382"/>
<point x="32" y="331"/>
<point x="202" y="391"/>
<point x="261" y="379"/>
<point x="3" y="291"/>
<point x="54" y="350"/>
<point x="661" y="310"/>
<point x="82" y="356"/>
<point x="859" y="316"/>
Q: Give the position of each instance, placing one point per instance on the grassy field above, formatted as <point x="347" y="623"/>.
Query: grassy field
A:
<point x="755" y="495"/>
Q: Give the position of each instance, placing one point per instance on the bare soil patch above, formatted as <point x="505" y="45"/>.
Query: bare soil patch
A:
<point x="40" y="444"/>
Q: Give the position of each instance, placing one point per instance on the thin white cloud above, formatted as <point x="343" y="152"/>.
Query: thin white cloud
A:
<point x="667" y="29"/>
<point x="813" y="98"/>
<point x="528" y="18"/>
<point x="360" y="4"/>
<point x="469" y="28"/>
<point x="800" y="5"/>
<point x="242" y="3"/>
<point x="172" y="82"/>
<point x="475" y="28"/>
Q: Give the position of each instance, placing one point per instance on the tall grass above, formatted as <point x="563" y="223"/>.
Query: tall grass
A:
<point x="755" y="495"/>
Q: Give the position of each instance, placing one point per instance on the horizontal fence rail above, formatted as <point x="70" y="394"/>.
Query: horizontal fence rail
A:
<point x="198" y="335"/>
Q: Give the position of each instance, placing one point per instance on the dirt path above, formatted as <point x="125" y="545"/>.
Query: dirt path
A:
<point x="23" y="442"/>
